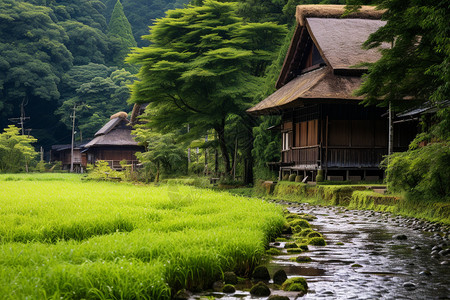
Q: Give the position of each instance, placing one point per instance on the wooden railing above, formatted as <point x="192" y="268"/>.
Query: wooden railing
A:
<point x="364" y="157"/>
<point x="301" y="155"/>
<point x="336" y="157"/>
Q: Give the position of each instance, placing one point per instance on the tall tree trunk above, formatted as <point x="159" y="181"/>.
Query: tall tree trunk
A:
<point x="249" y="122"/>
<point x="220" y="129"/>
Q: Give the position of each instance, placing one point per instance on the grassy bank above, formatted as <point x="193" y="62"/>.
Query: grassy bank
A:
<point x="62" y="237"/>
<point x="357" y="196"/>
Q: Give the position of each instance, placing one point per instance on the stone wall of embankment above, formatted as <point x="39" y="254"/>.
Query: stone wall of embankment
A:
<point x="355" y="197"/>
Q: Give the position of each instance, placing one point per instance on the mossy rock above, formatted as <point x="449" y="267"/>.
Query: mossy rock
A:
<point x="305" y="232"/>
<point x="302" y="246"/>
<point x="303" y="259"/>
<point x="291" y="216"/>
<point x="292" y="177"/>
<point x="307" y="217"/>
<point x="317" y="241"/>
<point x="279" y="277"/>
<point x="298" y="178"/>
<point x="299" y="222"/>
<point x="182" y="295"/>
<point x="261" y="273"/>
<point x="273" y="251"/>
<point x="230" y="278"/>
<point x="260" y="290"/>
<point x="229" y="289"/>
<point x="295" y="284"/>
<point x="314" y="234"/>
<point x="340" y="243"/>
<point x="294" y="250"/>
<point x="281" y="239"/>
<point x="356" y="266"/>
<point x="290" y="245"/>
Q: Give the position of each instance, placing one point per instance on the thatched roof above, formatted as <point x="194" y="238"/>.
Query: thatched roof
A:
<point x="318" y="85"/>
<point x="116" y="132"/>
<point x="339" y="42"/>
<point x="334" y="11"/>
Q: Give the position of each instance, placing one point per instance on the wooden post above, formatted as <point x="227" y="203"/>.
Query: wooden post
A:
<point x="73" y="134"/>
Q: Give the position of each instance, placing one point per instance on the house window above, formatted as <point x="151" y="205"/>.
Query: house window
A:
<point x="287" y="140"/>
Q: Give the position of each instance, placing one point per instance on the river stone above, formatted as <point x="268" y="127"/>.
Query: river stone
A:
<point x="260" y="290"/>
<point x="401" y="237"/>
<point x="279" y="277"/>
<point x="409" y="286"/>
<point x="230" y="278"/>
<point x="228" y="289"/>
<point x="278" y="297"/>
<point x="261" y="273"/>
<point x="217" y="286"/>
<point x="182" y="295"/>
<point x="426" y="273"/>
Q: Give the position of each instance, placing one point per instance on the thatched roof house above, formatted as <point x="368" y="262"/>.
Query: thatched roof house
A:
<point x="113" y="142"/>
<point x="323" y="127"/>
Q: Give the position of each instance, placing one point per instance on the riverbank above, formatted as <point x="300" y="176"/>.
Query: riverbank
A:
<point x="358" y="196"/>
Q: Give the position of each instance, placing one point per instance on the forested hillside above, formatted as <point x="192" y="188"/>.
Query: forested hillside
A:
<point x="57" y="55"/>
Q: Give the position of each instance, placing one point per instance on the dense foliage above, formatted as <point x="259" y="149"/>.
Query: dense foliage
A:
<point x="16" y="150"/>
<point x="203" y="65"/>
<point x="422" y="172"/>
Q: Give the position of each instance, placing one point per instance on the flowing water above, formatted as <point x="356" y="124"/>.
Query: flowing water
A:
<point x="366" y="257"/>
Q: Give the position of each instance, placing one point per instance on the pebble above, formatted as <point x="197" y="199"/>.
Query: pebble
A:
<point x="409" y="286"/>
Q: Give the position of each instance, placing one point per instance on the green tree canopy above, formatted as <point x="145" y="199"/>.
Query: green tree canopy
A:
<point x="204" y="63"/>
<point x="97" y="98"/>
<point x="417" y="65"/>
<point x="15" y="150"/>
<point x="121" y="37"/>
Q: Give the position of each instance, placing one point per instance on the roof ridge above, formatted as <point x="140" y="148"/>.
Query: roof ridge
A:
<point x="335" y="11"/>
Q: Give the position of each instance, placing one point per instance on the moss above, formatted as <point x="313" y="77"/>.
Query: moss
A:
<point x="229" y="289"/>
<point x="339" y="243"/>
<point x="303" y="246"/>
<point x="314" y="234"/>
<point x="260" y="290"/>
<point x="273" y="251"/>
<point x="317" y="241"/>
<point x="299" y="222"/>
<point x="295" y="284"/>
<point x="356" y="266"/>
<point x="305" y="232"/>
<point x="230" y="278"/>
<point x="294" y="250"/>
<point x="303" y="259"/>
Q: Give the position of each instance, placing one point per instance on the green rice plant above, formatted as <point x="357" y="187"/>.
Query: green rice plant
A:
<point x="61" y="237"/>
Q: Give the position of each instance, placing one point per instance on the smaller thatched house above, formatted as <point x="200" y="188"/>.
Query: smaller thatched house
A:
<point x="113" y="143"/>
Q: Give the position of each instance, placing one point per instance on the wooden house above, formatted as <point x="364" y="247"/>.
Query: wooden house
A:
<point x="113" y="143"/>
<point x="62" y="153"/>
<point x="323" y="124"/>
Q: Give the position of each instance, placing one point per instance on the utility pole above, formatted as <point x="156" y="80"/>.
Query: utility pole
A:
<point x="73" y="134"/>
<point x="21" y="122"/>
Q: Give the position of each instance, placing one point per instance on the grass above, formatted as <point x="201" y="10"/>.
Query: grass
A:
<point x="61" y="237"/>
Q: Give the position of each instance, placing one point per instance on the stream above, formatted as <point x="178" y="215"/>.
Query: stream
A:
<point x="369" y="255"/>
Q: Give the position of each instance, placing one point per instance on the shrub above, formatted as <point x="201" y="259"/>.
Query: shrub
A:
<point x="298" y="178"/>
<point x="422" y="173"/>
<point x="292" y="177"/>
<point x="319" y="177"/>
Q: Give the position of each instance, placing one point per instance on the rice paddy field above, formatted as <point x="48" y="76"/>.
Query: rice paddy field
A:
<point x="64" y="238"/>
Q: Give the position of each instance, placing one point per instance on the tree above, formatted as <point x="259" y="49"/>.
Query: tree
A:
<point x="15" y="150"/>
<point x="204" y="63"/>
<point x="121" y="37"/>
<point x="162" y="153"/>
<point x="96" y="99"/>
